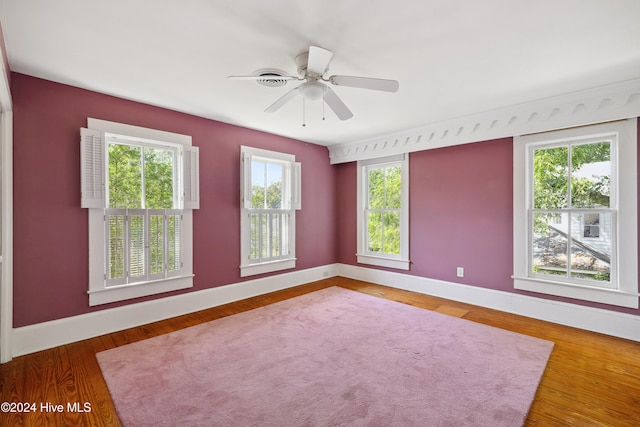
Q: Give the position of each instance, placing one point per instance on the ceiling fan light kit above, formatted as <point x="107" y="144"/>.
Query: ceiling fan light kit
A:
<point x="312" y="90"/>
<point x="312" y="66"/>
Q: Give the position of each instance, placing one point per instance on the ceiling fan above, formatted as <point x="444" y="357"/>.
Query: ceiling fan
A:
<point x="312" y="67"/>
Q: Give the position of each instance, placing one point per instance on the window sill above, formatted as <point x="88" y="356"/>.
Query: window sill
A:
<point x="267" y="267"/>
<point x="380" y="261"/>
<point x="137" y="290"/>
<point x="580" y="292"/>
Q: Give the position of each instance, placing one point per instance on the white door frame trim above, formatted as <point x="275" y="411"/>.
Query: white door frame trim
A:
<point x="6" y="213"/>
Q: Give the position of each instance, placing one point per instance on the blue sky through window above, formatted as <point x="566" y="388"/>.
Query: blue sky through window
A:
<point x="274" y="173"/>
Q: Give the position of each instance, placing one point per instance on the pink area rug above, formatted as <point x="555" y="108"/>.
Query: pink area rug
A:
<point x="329" y="358"/>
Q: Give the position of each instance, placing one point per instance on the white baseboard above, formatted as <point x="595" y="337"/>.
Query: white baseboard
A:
<point x="41" y="336"/>
<point x="592" y="319"/>
<point x="32" y="338"/>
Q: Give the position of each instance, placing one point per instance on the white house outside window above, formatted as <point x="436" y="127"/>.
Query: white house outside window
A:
<point x="575" y="227"/>
<point x="383" y="212"/>
<point x="140" y="186"/>
<point x="270" y="186"/>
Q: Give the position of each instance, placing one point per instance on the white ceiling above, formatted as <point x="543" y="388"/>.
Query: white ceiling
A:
<point x="452" y="58"/>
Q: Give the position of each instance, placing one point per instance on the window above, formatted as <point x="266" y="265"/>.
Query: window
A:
<point x="270" y="184"/>
<point x="591" y="225"/>
<point x="383" y="212"/>
<point x="575" y="213"/>
<point x="143" y="226"/>
<point x="140" y="186"/>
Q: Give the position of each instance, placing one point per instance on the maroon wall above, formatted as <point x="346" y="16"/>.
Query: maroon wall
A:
<point x="346" y="219"/>
<point x="460" y="215"/>
<point x="460" y="211"/>
<point x="51" y="230"/>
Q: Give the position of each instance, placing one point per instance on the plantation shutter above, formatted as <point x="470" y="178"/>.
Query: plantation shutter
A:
<point x="136" y="242"/>
<point x="174" y="243"/>
<point x="191" y="178"/>
<point x="156" y="244"/>
<point x="245" y="180"/>
<point x="92" y="169"/>
<point x="296" y="183"/>
<point x="117" y="256"/>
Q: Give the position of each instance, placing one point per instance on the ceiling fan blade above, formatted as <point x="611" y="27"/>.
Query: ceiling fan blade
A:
<point x="336" y="104"/>
<point x="365" y="83"/>
<point x="283" y="100"/>
<point x="265" y="77"/>
<point x="318" y="60"/>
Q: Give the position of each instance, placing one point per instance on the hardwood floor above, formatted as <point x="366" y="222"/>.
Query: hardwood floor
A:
<point x="590" y="380"/>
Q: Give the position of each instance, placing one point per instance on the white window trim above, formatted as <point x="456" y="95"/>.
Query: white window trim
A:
<point x="99" y="292"/>
<point x="401" y="261"/>
<point x="295" y="203"/>
<point x="625" y="293"/>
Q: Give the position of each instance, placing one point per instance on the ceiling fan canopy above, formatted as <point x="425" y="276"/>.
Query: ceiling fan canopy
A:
<point x="312" y="67"/>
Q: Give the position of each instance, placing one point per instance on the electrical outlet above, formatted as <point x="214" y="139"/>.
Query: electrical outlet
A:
<point x="460" y="271"/>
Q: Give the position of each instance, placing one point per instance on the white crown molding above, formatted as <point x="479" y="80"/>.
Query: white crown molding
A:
<point x="607" y="322"/>
<point x="606" y="103"/>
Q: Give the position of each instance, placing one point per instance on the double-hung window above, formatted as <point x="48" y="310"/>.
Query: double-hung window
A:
<point x="140" y="186"/>
<point x="575" y="213"/>
<point x="270" y="195"/>
<point x="383" y="212"/>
